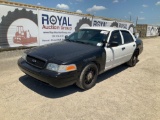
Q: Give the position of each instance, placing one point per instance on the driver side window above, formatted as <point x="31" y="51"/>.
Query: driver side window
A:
<point x="115" y="37"/>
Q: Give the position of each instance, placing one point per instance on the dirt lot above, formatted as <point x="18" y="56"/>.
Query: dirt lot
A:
<point x="122" y="93"/>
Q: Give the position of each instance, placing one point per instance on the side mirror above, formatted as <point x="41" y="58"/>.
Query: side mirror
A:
<point x="113" y="44"/>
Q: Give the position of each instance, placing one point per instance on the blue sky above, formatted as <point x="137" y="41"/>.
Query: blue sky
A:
<point x="148" y="11"/>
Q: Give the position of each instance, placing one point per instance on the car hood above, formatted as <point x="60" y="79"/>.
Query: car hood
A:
<point x="61" y="52"/>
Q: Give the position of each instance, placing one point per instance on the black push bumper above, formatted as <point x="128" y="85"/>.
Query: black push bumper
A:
<point x="53" y="78"/>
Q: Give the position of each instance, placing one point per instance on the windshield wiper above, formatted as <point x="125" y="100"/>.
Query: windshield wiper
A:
<point x="67" y="39"/>
<point x="77" y="41"/>
<point x="82" y="42"/>
<point x="71" y="40"/>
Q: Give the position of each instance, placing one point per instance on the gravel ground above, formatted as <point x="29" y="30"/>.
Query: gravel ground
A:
<point x="122" y="93"/>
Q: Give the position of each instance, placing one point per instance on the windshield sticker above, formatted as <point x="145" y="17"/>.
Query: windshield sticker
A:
<point x="104" y="32"/>
<point x="99" y="44"/>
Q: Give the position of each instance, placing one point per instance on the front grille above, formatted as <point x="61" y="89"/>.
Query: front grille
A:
<point x="35" y="61"/>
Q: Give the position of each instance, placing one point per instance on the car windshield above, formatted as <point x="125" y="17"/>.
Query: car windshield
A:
<point x="88" y="36"/>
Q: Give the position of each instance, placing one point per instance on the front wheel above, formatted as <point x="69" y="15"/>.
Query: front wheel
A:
<point x="133" y="61"/>
<point x="88" y="77"/>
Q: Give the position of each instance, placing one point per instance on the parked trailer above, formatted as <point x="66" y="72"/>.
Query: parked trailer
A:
<point x="29" y="25"/>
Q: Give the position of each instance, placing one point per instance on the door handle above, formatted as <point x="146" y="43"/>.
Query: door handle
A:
<point x="134" y="45"/>
<point x="123" y="48"/>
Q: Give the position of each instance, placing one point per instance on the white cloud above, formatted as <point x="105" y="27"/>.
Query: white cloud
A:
<point x="79" y="11"/>
<point x="158" y="3"/>
<point x="141" y="18"/>
<point x="115" y="1"/>
<point x="62" y="6"/>
<point x="39" y="4"/>
<point x="145" y="6"/>
<point x="96" y="8"/>
<point x="141" y="12"/>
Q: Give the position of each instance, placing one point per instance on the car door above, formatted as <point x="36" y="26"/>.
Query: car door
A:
<point x="129" y="43"/>
<point x="114" y="55"/>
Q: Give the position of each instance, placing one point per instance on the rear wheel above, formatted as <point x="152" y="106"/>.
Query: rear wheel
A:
<point x="133" y="61"/>
<point x="88" y="77"/>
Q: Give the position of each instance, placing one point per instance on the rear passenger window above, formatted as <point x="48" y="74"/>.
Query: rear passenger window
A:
<point x="116" y="37"/>
<point x="127" y="37"/>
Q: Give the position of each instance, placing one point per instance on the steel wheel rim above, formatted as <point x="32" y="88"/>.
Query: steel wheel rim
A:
<point x="90" y="75"/>
<point x="134" y="61"/>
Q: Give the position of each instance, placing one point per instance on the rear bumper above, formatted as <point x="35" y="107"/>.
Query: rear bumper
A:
<point x="53" y="78"/>
<point x="141" y="50"/>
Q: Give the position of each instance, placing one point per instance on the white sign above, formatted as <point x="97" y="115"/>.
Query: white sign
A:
<point x="152" y="31"/>
<point x="18" y="26"/>
<point x="53" y="27"/>
<point x="105" y="23"/>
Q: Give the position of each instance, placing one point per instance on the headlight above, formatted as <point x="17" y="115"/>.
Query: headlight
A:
<point x="61" y="68"/>
<point x="24" y="55"/>
<point x="52" y="66"/>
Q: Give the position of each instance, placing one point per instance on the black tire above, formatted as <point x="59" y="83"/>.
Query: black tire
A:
<point x="10" y="18"/>
<point x="83" y="21"/>
<point x="133" y="61"/>
<point x="114" y="24"/>
<point x="88" y="77"/>
<point x="159" y="31"/>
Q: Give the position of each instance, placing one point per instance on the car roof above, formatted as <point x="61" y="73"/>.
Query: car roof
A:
<point x="104" y="28"/>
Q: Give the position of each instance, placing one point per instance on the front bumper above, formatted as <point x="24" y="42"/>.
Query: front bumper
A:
<point x="53" y="78"/>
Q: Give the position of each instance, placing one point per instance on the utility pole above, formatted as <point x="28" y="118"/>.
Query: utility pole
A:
<point x="92" y="19"/>
<point x="136" y="21"/>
